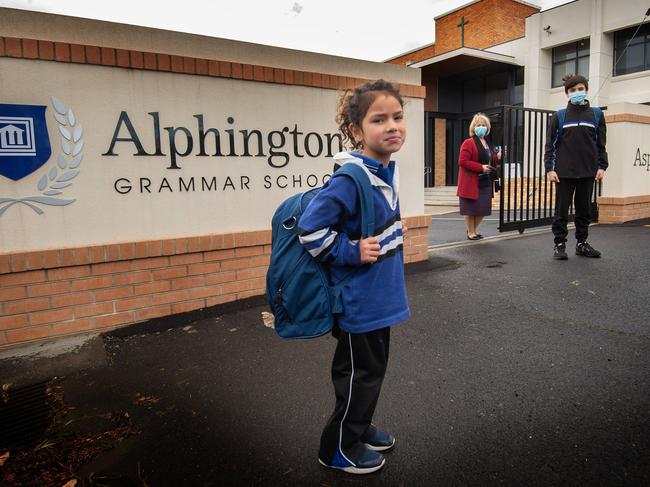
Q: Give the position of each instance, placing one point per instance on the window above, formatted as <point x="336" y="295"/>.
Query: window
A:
<point x="570" y="59"/>
<point x="637" y="56"/>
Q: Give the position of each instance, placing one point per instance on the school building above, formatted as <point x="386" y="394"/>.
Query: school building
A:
<point x="493" y="53"/>
<point x="140" y="168"/>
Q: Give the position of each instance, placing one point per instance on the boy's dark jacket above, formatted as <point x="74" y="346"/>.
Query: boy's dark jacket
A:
<point x="576" y="154"/>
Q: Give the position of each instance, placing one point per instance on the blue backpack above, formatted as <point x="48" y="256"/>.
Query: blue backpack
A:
<point x="297" y="285"/>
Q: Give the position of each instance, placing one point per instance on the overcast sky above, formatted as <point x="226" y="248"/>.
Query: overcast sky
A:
<point x="364" y="29"/>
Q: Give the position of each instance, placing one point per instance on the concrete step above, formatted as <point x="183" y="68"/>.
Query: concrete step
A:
<point x="446" y="197"/>
<point x="441" y="196"/>
<point x="433" y="202"/>
<point x="441" y="190"/>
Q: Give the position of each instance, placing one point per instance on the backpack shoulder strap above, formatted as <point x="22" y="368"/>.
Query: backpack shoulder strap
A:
<point x="561" y="116"/>
<point x="364" y="189"/>
<point x="598" y="115"/>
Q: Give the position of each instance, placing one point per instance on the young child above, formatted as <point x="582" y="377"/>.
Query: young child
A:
<point x="573" y="160"/>
<point x="371" y="118"/>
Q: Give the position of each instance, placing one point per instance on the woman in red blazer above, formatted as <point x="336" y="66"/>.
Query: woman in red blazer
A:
<point x="477" y="161"/>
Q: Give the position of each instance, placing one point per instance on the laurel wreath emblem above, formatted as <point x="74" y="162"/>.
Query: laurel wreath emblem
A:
<point x="61" y="174"/>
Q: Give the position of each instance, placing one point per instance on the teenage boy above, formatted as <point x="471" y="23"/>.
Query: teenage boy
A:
<point x="574" y="157"/>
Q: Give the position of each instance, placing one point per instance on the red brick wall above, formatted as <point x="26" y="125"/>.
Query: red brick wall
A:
<point x="416" y="56"/>
<point x="416" y="243"/>
<point x="62" y="292"/>
<point x="491" y="22"/>
<point x="623" y="209"/>
<point x="52" y="293"/>
<point x="121" y="58"/>
<point x="440" y="156"/>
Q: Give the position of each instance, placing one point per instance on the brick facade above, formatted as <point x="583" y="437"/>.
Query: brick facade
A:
<point x="440" y="155"/>
<point x="490" y="22"/>
<point x="415" y="56"/>
<point x="623" y="209"/>
<point x="107" y="56"/>
<point x="45" y="294"/>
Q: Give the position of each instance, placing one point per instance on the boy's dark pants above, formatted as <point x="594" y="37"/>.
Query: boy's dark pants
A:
<point x="358" y="370"/>
<point x="564" y="194"/>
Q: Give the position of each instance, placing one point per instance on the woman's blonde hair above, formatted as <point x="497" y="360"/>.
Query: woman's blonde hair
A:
<point x="479" y="117"/>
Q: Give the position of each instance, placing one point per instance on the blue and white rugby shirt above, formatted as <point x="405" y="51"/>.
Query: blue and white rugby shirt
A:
<point x="330" y="228"/>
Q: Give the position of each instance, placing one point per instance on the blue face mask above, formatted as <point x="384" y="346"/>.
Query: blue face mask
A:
<point x="480" y="131"/>
<point x="577" y="97"/>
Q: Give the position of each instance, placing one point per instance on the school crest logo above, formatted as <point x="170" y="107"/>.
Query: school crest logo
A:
<point x="24" y="142"/>
<point x="25" y="148"/>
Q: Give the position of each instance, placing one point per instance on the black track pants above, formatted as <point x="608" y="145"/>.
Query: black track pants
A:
<point x="358" y="372"/>
<point x="579" y="191"/>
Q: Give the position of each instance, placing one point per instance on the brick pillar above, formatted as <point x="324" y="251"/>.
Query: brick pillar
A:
<point x="440" y="156"/>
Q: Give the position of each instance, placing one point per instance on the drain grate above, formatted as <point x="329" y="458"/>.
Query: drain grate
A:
<point x="25" y="415"/>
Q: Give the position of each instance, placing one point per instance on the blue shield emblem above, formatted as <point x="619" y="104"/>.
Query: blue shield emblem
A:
<point x="24" y="141"/>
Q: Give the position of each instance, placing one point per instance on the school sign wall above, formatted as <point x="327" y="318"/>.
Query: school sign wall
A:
<point x="626" y="191"/>
<point x="277" y="148"/>
<point x="139" y="168"/>
<point x="224" y="160"/>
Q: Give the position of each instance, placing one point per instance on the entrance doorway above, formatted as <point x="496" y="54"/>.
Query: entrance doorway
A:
<point x="456" y="131"/>
<point x="464" y="88"/>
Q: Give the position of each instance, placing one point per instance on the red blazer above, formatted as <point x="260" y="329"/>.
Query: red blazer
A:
<point x="469" y="169"/>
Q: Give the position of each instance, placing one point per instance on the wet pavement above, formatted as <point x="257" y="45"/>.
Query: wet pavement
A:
<point x="448" y="225"/>
<point x="514" y="370"/>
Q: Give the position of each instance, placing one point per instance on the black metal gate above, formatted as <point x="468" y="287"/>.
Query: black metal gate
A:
<point x="527" y="197"/>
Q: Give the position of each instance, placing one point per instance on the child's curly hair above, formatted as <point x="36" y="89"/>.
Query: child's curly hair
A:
<point x="354" y="104"/>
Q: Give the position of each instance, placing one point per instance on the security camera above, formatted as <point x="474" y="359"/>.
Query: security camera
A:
<point x="547" y="29"/>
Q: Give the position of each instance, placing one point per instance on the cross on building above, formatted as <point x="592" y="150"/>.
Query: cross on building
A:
<point x="462" y="25"/>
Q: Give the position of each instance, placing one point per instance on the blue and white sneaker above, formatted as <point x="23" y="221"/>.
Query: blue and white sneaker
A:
<point x="370" y="461"/>
<point x="378" y="440"/>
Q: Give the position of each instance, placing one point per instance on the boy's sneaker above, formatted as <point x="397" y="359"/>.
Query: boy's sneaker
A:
<point x="559" y="252"/>
<point x="378" y="440"/>
<point x="370" y="461"/>
<point x="586" y="250"/>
